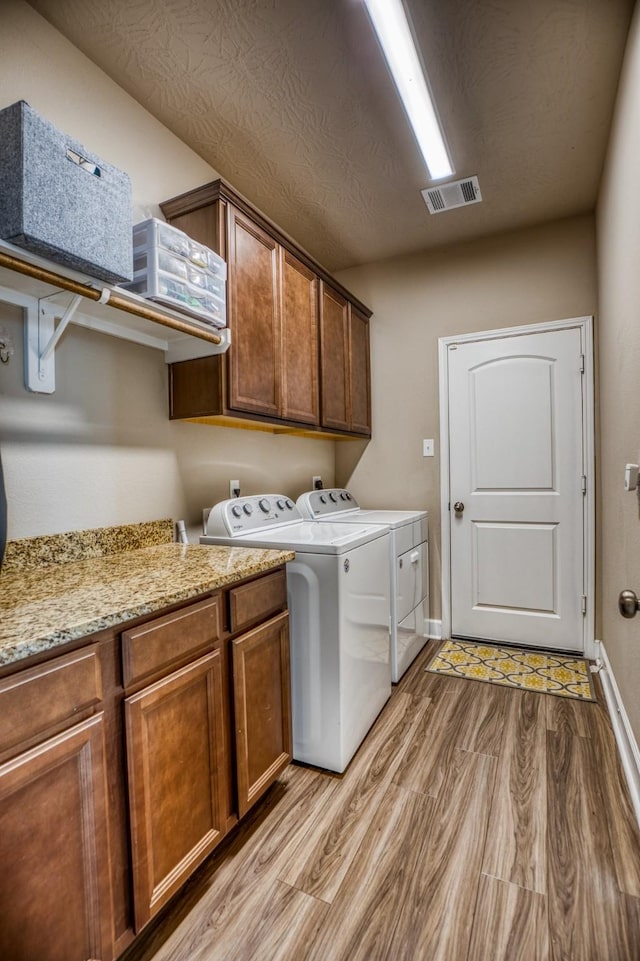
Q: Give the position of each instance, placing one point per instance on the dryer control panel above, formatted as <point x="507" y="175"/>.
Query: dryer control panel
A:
<point x="242" y="515"/>
<point x="321" y="503"/>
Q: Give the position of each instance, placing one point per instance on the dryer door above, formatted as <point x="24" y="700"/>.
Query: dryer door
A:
<point x="411" y="574"/>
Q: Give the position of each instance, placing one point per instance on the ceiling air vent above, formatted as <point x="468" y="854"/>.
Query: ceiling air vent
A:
<point x="459" y="193"/>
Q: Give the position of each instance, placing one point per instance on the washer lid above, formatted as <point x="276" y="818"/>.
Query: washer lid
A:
<point x="392" y="519"/>
<point x="306" y="537"/>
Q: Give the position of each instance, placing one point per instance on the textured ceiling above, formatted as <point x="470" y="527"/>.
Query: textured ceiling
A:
<point x="292" y="102"/>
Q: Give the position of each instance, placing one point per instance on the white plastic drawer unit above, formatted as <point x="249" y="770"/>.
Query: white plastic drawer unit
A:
<point x="171" y="268"/>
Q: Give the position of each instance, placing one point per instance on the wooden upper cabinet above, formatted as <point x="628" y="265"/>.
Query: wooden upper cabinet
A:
<point x="299" y="369"/>
<point x="254" y="317"/>
<point x="359" y="372"/>
<point x="293" y="361"/>
<point x="334" y="347"/>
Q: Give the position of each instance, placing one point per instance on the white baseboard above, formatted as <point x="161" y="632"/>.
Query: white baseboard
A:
<point x="625" y="738"/>
<point x="433" y="630"/>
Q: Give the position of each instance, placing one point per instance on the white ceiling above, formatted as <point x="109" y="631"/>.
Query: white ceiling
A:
<point x="292" y="102"/>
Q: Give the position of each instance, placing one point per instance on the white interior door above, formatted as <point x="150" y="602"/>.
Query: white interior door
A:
<point x="516" y="466"/>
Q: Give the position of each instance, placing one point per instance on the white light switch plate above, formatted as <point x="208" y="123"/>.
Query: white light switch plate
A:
<point x="427" y="448"/>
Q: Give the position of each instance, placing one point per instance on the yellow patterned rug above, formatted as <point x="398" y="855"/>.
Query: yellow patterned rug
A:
<point x="515" y="667"/>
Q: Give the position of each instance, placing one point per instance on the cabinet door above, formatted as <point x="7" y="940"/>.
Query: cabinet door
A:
<point x="177" y="779"/>
<point x="262" y="703"/>
<point x="334" y="359"/>
<point x="299" y="340"/>
<point x="359" y="373"/>
<point x="54" y="883"/>
<point x="254" y="318"/>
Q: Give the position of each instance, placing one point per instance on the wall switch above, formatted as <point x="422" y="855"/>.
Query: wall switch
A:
<point x="316" y="481"/>
<point x="234" y="488"/>
<point x="631" y="477"/>
<point x="427" y="448"/>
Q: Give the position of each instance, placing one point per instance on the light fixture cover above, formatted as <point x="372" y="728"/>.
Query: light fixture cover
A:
<point x="390" y="23"/>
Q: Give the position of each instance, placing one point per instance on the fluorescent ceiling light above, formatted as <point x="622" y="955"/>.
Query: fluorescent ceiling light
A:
<point x="390" y="23"/>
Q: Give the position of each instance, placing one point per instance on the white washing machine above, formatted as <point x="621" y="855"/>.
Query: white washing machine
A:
<point x="339" y="610"/>
<point x="409" y="565"/>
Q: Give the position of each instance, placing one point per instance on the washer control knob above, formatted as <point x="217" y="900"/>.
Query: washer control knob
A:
<point x="281" y="504"/>
<point x="333" y="497"/>
<point x="343" y="496"/>
<point x="347" y="495"/>
<point x="263" y="504"/>
<point x="248" y="509"/>
<point x="236" y="510"/>
<point x="323" y="499"/>
<point x="289" y="504"/>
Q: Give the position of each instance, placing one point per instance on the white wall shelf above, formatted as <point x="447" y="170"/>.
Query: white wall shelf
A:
<point x="50" y="294"/>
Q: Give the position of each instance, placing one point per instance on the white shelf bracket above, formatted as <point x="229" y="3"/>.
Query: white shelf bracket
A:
<point x="41" y="338"/>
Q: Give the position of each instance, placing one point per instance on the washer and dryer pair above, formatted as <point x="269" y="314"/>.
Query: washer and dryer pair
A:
<point x="340" y="588"/>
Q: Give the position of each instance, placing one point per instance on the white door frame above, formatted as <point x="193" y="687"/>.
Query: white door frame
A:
<point x="588" y="440"/>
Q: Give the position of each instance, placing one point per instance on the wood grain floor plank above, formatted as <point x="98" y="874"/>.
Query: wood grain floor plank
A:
<point x="362" y="921"/>
<point x="516" y="838"/>
<point x="484" y="715"/>
<point x="470" y="716"/>
<point x="588" y="917"/>
<point x="279" y="925"/>
<point x="424" y="766"/>
<point x="326" y="850"/>
<point x="566" y="714"/>
<point x="412" y="888"/>
<point x="624" y="833"/>
<point x="510" y="924"/>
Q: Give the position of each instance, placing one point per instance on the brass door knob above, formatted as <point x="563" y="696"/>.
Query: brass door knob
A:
<point x="628" y="604"/>
<point x="458" y="507"/>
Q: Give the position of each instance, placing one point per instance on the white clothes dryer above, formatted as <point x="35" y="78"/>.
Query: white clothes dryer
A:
<point x="339" y="610"/>
<point x="408" y="562"/>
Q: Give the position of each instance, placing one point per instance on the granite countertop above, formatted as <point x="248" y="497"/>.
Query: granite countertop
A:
<point x="43" y="607"/>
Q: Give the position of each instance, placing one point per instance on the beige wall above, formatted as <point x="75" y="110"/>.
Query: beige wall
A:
<point x="618" y="227"/>
<point x="529" y="276"/>
<point x="101" y="451"/>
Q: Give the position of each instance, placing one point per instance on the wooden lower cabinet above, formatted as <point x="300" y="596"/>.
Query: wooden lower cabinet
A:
<point x="261" y="708"/>
<point x="55" y="900"/>
<point x="124" y="762"/>
<point x="177" y="779"/>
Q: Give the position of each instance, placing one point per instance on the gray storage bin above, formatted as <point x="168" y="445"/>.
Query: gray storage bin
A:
<point x="60" y="201"/>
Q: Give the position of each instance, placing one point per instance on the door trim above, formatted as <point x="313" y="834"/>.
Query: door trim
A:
<point x="585" y="324"/>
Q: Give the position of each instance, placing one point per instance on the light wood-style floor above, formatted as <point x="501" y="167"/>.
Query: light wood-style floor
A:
<point x="475" y="823"/>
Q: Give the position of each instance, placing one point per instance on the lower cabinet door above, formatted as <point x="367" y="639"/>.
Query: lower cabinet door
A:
<point x="262" y="705"/>
<point x="177" y="779"/>
<point x="55" y="901"/>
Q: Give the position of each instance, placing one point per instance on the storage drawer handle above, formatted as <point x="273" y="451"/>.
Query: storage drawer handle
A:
<point x="83" y="163"/>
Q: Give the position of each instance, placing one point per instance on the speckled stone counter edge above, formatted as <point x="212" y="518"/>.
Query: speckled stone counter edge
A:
<point x="32" y="552"/>
<point x="78" y="599"/>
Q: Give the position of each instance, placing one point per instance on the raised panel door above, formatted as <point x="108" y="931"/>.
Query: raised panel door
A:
<point x="334" y="359"/>
<point x="299" y="340"/>
<point x="54" y="883"/>
<point x="177" y="779"/>
<point x="261" y="690"/>
<point x="359" y="372"/>
<point x="254" y="318"/>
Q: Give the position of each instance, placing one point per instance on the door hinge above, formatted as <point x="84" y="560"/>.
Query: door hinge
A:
<point x="584" y="603"/>
<point x="584" y="483"/>
<point x="449" y="506"/>
<point x="582" y="363"/>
